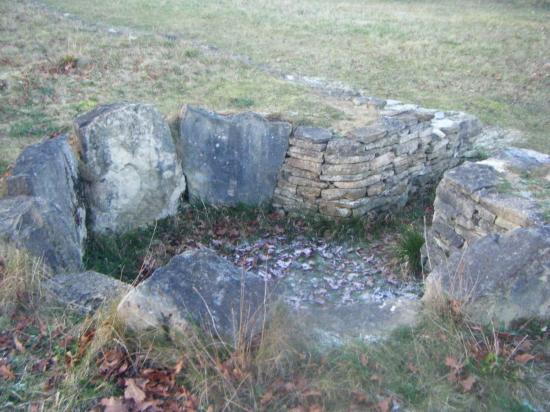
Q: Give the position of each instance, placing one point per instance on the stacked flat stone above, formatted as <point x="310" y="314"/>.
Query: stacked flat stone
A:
<point x="372" y="166"/>
<point x="491" y="196"/>
<point x="377" y="166"/>
<point x="299" y="185"/>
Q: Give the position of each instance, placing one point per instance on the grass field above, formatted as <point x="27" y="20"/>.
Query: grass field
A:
<point x="490" y="58"/>
<point x="56" y="68"/>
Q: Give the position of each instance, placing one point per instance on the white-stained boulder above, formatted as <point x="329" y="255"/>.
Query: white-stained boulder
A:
<point x="131" y="172"/>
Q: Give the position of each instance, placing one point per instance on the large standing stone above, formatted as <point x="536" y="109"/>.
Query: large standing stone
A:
<point x="199" y="286"/>
<point x="41" y="228"/>
<point x="232" y="159"/>
<point x="504" y="278"/>
<point x="50" y="170"/>
<point x="131" y="170"/>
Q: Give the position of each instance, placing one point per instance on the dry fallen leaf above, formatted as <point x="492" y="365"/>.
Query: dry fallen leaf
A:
<point x="376" y="378"/>
<point x="6" y="373"/>
<point x="468" y="383"/>
<point x="114" y="405"/>
<point x="524" y="358"/>
<point x="412" y="367"/>
<point x="85" y="341"/>
<point x="134" y="392"/>
<point x="18" y="345"/>
<point x="113" y="363"/>
<point x="266" y="398"/>
<point x="359" y="397"/>
<point x="179" y="366"/>
<point x="384" y="405"/>
<point x="453" y="363"/>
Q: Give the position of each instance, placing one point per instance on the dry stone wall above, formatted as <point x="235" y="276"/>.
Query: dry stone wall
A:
<point x="126" y="170"/>
<point x="373" y="167"/>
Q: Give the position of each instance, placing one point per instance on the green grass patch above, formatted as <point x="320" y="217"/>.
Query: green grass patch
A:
<point x="442" y="363"/>
<point x="408" y="249"/>
<point x="32" y="124"/>
<point x="242" y="102"/>
<point x="4" y="166"/>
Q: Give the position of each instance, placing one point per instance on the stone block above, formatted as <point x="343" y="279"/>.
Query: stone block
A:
<point x="350" y="194"/>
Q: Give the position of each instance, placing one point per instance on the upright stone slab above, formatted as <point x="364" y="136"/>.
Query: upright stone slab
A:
<point x="41" y="228"/>
<point x="50" y="170"/>
<point x="503" y="278"/>
<point x="232" y="159"/>
<point x="131" y="172"/>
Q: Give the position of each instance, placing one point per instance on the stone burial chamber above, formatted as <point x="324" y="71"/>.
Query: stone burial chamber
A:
<point x="121" y="169"/>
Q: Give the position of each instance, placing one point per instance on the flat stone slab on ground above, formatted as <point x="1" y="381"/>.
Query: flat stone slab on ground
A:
<point x="366" y="321"/>
<point x="201" y="286"/>
<point x="84" y="292"/>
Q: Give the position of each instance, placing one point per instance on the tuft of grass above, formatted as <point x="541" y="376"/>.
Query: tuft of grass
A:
<point x="481" y="155"/>
<point x="34" y="123"/>
<point x="67" y="63"/>
<point x="192" y="53"/>
<point x="20" y="278"/>
<point x="242" y="102"/>
<point x="118" y="255"/>
<point x="408" y="249"/>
